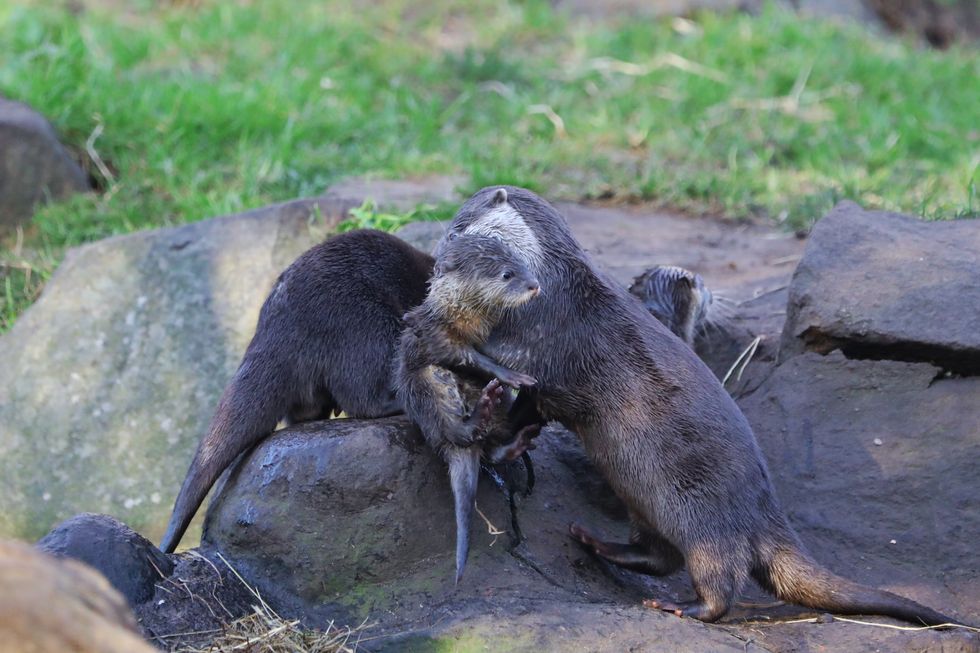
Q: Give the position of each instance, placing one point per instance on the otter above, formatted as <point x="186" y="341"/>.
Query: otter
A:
<point x="324" y="343"/>
<point x="476" y="280"/>
<point x="658" y="425"/>
<point x="675" y="296"/>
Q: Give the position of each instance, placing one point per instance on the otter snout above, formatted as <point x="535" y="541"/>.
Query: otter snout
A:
<point x="533" y="287"/>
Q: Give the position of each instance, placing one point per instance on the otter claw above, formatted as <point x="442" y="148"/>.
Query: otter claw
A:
<point x="490" y="399"/>
<point x="516" y="380"/>
<point x="522" y="442"/>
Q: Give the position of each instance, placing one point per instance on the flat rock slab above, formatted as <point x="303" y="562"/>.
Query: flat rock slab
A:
<point x="884" y="285"/>
<point x="874" y="461"/>
<point x="34" y="165"/>
<point x="108" y="381"/>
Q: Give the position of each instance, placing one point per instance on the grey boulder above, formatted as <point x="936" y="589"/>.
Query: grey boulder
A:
<point x="108" y="381"/>
<point x="34" y="165"/>
<point x="884" y="285"/>
<point x="128" y="560"/>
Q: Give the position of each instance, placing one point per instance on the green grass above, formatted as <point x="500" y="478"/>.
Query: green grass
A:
<point x="209" y="108"/>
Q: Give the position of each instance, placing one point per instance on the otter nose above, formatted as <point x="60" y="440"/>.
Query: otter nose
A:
<point x="533" y="287"/>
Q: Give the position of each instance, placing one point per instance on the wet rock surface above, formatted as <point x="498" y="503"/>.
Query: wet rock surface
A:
<point x="34" y="165"/>
<point x="352" y="519"/>
<point x="887" y="286"/>
<point x="127" y="559"/>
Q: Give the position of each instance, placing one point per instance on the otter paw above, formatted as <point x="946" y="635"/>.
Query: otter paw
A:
<point x="585" y="537"/>
<point x="523" y="442"/>
<point x="694" y="609"/>
<point x="491" y="397"/>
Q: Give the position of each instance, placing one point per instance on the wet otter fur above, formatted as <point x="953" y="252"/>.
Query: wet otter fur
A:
<point x="476" y="280"/>
<point x="659" y="426"/>
<point x="675" y="296"/>
<point x="324" y="343"/>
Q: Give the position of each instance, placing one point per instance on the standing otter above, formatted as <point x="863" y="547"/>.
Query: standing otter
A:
<point x="675" y="296"/>
<point x="657" y="423"/>
<point x="324" y="343"/>
<point x="476" y="280"/>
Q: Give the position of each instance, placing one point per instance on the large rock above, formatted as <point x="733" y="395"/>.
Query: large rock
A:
<point x="131" y="563"/>
<point x="108" y="381"/>
<point x="348" y="519"/>
<point x="34" y="165"/>
<point x="351" y="519"/>
<point x="884" y="285"/>
<point x="875" y="462"/>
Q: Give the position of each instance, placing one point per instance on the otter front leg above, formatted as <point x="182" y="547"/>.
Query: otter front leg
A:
<point x="647" y="553"/>
<point x="483" y="363"/>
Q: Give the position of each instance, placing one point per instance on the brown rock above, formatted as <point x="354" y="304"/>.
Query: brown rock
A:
<point x="52" y="606"/>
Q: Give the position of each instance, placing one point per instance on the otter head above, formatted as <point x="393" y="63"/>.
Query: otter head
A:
<point x="482" y="273"/>
<point x="677" y="297"/>
<point x="494" y="213"/>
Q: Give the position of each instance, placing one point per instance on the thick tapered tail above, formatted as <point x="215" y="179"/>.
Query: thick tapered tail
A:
<point x="464" y="473"/>
<point x="795" y="577"/>
<point x="247" y="413"/>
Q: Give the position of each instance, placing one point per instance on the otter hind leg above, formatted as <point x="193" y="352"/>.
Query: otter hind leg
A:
<point x="647" y="553"/>
<point x="718" y="573"/>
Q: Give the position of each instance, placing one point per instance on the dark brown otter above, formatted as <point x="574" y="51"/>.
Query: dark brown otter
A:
<point x="476" y="280"/>
<point x="657" y="423"/>
<point x="324" y="343"/>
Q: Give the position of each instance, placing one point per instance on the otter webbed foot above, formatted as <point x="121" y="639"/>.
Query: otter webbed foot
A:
<point x="635" y="557"/>
<point x="695" y="609"/>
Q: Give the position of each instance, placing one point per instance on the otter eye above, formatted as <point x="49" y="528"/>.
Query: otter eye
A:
<point x="452" y="235"/>
<point x="507" y="276"/>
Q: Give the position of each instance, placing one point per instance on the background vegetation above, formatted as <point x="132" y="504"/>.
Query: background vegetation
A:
<point x="184" y="111"/>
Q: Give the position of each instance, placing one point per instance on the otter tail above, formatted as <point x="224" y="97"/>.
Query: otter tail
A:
<point x="464" y="473"/>
<point x="793" y="576"/>
<point x="247" y="413"/>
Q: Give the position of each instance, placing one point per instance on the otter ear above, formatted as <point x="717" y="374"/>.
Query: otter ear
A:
<point x="499" y="197"/>
<point x="444" y="265"/>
